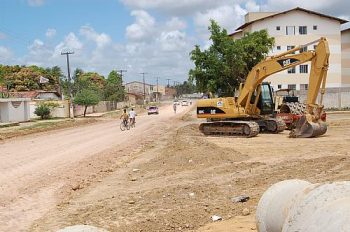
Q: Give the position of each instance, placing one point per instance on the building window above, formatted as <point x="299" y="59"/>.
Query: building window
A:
<point x="315" y="27"/>
<point x="303" y="49"/>
<point x="304" y="86"/>
<point x="302" y="30"/>
<point x="279" y="86"/>
<point x="290" y="30"/>
<point x="304" y="68"/>
<point x="290" y="48"/>
<point x="292" y="87"/>
<point x="291" y="70"/>
<point x="278" y="28"/>
<point x="278" y="47"/>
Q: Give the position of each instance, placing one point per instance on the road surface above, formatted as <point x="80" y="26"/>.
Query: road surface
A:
<point x="36" y="170"/>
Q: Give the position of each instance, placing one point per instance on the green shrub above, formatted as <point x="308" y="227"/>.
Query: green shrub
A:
<point x="44" y="109"/>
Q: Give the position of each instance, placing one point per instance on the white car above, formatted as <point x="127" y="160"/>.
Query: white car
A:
<point x="184" y="103"/>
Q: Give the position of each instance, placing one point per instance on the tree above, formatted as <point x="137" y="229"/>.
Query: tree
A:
<point x="87" y="97"/>
<point x="114" y="90"/>
<point x="185" y="88"/>
<point x="23" y="78"/>
<point x="227" y="62"/>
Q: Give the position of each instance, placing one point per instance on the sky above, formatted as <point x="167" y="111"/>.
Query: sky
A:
<point x="141" y="36"/>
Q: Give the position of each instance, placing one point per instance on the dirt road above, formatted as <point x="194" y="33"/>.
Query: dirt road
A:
<point x="39" y="171"/>
<point x="169" y="177"/>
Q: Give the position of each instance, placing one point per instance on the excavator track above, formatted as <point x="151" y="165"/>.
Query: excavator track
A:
<point x="272" y="125"/>
<point x="245" y="129"/>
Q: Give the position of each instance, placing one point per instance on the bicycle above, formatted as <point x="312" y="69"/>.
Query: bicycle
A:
<point x="124" y="125"/>
<point x="133" y="123"/>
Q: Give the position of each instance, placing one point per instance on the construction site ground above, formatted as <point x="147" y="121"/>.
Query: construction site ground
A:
<point x="163" y="175"/>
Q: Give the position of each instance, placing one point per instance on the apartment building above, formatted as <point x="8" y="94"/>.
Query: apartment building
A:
<point x="345" y="57"/>
<point x="296" y="27"/>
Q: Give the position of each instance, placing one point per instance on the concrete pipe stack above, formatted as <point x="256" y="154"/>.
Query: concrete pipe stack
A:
<point x="297" y="205"/>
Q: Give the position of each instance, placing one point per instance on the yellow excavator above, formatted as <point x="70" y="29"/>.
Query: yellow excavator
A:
<point x="252" y="111"/>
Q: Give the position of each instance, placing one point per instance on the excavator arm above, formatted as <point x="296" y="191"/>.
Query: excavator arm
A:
<point x="286" y="60"/>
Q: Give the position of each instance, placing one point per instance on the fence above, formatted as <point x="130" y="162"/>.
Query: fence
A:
<point x="333" y="98"/>
<point x="62" y="111"/>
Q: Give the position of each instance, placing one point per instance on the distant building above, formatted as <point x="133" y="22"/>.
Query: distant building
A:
<point x="138" y="87"/>
<point x="134" y="99"/>
<point x="296" y="27"/>
<point x="151" y="92"/>
<point x="169" y="91"/>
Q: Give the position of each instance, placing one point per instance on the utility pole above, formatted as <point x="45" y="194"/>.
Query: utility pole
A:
<point x="168" y="82"/>
<point x="121" y="73"/>
<point x="71" y="109"/>
<point x="157" y="97"/>
<point x="144" y="87"/>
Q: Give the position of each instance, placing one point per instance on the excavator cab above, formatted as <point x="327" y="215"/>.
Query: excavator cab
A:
<point x="265" y="103"/>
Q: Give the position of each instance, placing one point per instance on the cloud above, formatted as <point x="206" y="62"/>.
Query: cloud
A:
<point x="227" y="16"/>
<point x="176" y="24"/>
<point x="70" y="43"/>
<point x="252" y="6"/>
<point x="142" y="28"/>
<point x="36" y="2"/>
<point x="5" y="54"/>
<point x="334" y="8"/>
<point x="101" y="40"/>
<point x="172" y="40"/>
<point x="176" y="7"/>
<point x="50" y="33"/>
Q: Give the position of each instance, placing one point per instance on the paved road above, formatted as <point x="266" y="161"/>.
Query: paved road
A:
<point x="32" y="167"/>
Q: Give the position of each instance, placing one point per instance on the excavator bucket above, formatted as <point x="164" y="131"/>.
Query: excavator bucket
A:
<point x="307" y="129"/>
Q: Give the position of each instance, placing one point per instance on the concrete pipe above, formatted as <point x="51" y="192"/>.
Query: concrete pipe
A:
<point x="82" y="228"/>
<point x="274" y="205"/>
<point x="323" y="208"/>
<point x="296" y="205"/>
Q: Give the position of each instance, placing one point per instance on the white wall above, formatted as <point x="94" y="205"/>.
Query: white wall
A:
<point x="4" y="116"/>
<point x="14" y="110"/>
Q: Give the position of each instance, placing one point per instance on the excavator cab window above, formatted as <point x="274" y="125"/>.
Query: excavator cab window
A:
<point x="265" y="103"/>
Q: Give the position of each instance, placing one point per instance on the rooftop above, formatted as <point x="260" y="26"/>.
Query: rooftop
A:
<point x="342" y="21"/>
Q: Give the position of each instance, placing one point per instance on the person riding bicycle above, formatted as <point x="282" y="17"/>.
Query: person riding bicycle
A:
<point x="125" y="117"/>
<point x="132" y="116"/>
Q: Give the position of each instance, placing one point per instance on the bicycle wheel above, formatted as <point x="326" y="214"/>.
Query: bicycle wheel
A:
<point x="122" y="126"/>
